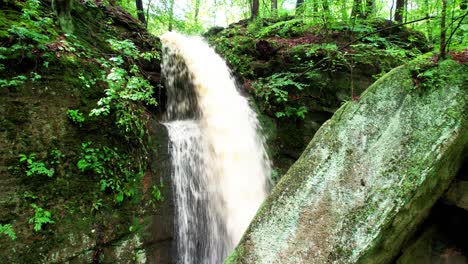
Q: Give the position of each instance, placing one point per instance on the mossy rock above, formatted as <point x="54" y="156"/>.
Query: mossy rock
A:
<point x="90" y="224"/>
<point x="369" y="176"/>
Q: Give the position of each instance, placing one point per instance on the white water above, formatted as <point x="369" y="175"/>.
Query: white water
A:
<point x="220" y="167"/>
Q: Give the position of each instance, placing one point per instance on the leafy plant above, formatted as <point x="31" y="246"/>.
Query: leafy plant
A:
<point x="35" y="167"/>
<point x="7" y="229"/>
<point x="122" y="92"/>
<point x="125" y="87"/>
<point x="117" y="172"/>
<point x="290" y="111"/>
<point x="40" y="218"/>
<point x="126" y="47"/>
<point x="96" y="205"/>
<point x="76" y="116"/>
<point x="56" y="156"/>
<point x="15" y="81"/>
<point x="275" y="92"/>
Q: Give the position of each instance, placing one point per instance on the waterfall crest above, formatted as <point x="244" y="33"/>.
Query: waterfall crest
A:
<point x="220" y="167"/>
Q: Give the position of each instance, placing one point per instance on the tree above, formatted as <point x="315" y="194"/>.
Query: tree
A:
<point x="399" y="9"/>
<point x="140" y="11"/>
<point x="197" y="11"/>
<point x="443" y="30"/>
<point x="62" y="9"/>
<point x="171" y="15"/>
<point x="356" y="11"/>
<point x="255" y="8"/>
<point x="298" y="6"/>
<point x="428" y="22"/>
<point x="369" y="8"/>
<point x="274" y="8"/>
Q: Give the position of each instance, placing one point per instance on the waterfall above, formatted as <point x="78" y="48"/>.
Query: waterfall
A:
<point x="220" y="167"/>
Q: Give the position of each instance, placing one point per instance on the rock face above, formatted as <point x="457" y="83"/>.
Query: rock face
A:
<point x="101" y="194"/>
<point x="369" y="176"/>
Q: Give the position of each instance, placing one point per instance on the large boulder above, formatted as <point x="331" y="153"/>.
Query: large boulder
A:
<point x="370" y="175"/>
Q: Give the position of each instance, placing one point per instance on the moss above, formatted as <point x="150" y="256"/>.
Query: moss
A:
<point x="369" y="176"/>
<point x="235" y="256"/>
<point x="33" y="120"/>
<point x="7" y="19"/>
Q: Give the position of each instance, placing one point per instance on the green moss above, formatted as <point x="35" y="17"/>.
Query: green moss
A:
<point x="369" y="176"/>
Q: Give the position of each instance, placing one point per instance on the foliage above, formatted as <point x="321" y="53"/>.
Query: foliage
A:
<point x="117" y="172"/>
<point x="76" y="116"/>
<point x="15" y="81"/>
<point x="19" y="80"/>
<point x="236" y="51"/>
<point x="7" y="229"/>
<point x="125" y="88"/>
<point x="32" y="31"/>
<point x="96" y="205"/>
<point x="156" y="194"/>
<point x="275" y="90"/>
<point x="424" y="72"/>
<point x="35" y="167"/>
<point x="56" y="156"/>
<point x="282" y="29"/>
<point x="126" y="47"/>
<point x="40" y="218"/>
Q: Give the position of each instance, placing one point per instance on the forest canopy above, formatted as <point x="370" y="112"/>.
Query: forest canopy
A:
<point x="196" y="16"/>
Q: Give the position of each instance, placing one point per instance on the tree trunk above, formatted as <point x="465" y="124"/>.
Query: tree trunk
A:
<point x="369" y="9"/>
<point x="255" y="7"/>
<point x="399" y="9"/>
<point x="356" y="11"/>
<point x="171" y="15"/>
<point x="197" y="11"/>
<point x="443" y="30"/>
<point x="428" y="22"/>
<point x="299" y="7"/>
<point x="140" y="11"/>
<point x="391" y="10"/>
<point x="147" y="13"/>
<point x="274" y="8"/>
<point x="326" y="11"/>
<point x="62" y="9"/>
<point x="344" y="10"/>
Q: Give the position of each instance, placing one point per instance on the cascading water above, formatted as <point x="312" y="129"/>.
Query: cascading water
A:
<point x="220" y="167"/>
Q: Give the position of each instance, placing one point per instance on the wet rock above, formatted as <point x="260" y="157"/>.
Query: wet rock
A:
<point x="457" y="194"/>
<point x="369" y="176"/>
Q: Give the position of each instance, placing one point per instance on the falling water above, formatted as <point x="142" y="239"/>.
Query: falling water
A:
<point x="220" y="167"/>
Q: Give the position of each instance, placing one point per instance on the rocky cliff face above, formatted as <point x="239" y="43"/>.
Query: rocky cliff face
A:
<point x="370" y="175"/>
<point x="76" y="187"/>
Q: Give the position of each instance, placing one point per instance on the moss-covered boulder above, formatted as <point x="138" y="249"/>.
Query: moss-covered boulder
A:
<point x="370" y="175"/>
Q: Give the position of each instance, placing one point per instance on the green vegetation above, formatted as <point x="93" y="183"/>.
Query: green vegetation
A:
<point x="7" y="230"/>
<point x="95" y="77"/>
<point x="76" y="116"/>
<point x="125" y="87"/>
<point x="41" y="217"/>
<point x="79" y="101"/>
<point x="116" y="172"/>
<point x="34" y="167"/>
<point x="274" y="91"/>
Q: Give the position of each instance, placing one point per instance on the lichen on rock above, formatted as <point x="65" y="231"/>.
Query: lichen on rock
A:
<point x="368" y="177"/>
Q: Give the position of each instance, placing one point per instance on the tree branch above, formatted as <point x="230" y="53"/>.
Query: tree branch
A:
<point x="462" y="17"/>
